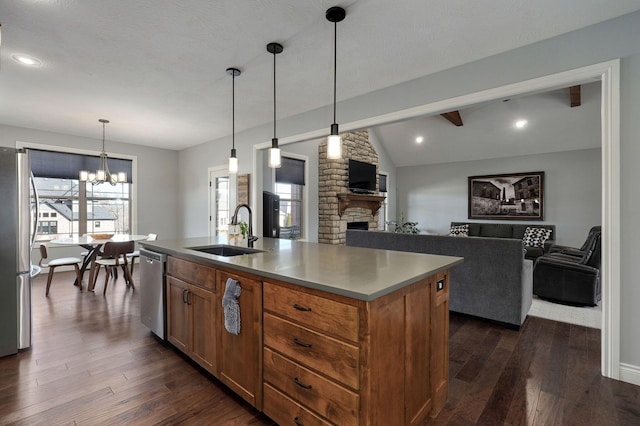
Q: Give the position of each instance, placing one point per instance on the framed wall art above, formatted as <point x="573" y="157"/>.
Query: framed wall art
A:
<point x="512" y="196"/>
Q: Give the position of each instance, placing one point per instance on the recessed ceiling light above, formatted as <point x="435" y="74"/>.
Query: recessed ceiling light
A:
<point x="521" y="123"/>
<point x="419" y="139"/>
<point x="26" y="60"/>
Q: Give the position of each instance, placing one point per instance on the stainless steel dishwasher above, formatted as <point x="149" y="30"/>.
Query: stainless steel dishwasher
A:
<point x="152" y="291"/>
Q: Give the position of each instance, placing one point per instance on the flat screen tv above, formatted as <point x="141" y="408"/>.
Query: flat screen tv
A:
<point x="362" y="177"/>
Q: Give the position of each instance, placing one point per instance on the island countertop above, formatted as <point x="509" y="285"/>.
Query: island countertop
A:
<point x="359" y="273"/>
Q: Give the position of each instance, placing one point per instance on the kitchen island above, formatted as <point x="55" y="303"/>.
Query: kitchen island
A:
<point x="329" y="334"/>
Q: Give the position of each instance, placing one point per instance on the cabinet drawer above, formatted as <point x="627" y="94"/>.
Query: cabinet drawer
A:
<point x="287" y="412"/>
<point x="192" y="272"/>
<point x="323" y="396"/>
<point x="336" y="359"/>
<point x="327" y="315"/>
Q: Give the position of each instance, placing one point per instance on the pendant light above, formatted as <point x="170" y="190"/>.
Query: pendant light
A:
<point x="103" y="174"/>
<point x="274" y="152"/>
<point x="233" y="160"/>
<point x="334" y="142"/>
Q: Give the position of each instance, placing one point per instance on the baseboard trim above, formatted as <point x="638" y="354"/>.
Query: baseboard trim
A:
<point x="630" y="373"/>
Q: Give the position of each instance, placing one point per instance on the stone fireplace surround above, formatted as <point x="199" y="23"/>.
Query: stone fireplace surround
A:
<point x="333" y="179"/>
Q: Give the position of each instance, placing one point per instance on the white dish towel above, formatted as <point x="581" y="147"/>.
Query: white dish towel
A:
<point x="231" y="306"/>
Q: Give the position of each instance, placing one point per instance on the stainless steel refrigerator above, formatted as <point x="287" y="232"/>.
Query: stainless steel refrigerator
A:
<point x="16" y="239"/>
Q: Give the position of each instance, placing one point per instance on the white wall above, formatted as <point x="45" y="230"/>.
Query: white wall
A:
<point x="436" y="195"/>
<point x="387" y="166"/>
<point x="618" y="38"/>
<point x="156" y="179"/>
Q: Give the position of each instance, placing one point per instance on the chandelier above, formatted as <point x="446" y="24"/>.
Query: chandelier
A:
<point x="103" y="174"/>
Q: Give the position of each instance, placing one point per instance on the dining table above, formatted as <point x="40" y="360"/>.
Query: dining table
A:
<point x="93" y="247"/>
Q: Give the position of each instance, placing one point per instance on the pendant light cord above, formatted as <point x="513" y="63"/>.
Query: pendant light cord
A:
<point x="335" y="66"/>
<point x="233" y="110"/>
<point x="103" y="124"/>
<point x="274" y="94"/>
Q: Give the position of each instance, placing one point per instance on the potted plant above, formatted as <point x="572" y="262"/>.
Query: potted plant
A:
<point x="403" y="226"/>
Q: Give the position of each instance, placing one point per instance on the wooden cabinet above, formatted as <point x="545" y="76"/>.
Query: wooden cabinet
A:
<point x="195" y="324"/>
<point x="305" y="356"/>
<point x="329" y="359"/>
<point x="192" y="308"/>
<point x="241" y="355"/>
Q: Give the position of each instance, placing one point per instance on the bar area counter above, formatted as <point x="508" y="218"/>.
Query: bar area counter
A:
<point x="327" y="334"/>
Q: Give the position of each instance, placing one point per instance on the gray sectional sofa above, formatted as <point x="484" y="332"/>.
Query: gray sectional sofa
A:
<point x="511" y="230"/>
<point x="495" y="281"/>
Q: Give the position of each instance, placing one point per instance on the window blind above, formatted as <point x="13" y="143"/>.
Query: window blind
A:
<point x="65" y="165"/>
<point x="291" y="171"/>
<point x="382" y="182"/>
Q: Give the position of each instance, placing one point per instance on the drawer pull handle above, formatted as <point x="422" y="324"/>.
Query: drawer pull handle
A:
<point x="301" y="308"/>
<point x="299" y="383"/>
<point x="300" y="343"/>
<point x="297" y="421"/>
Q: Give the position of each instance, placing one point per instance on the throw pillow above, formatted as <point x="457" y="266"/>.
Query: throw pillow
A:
<point x="535" y="237"/>
<point x="459" y="230"/>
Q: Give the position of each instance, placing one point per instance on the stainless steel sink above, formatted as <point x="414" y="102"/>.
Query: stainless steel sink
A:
<point x="225" y="250"/>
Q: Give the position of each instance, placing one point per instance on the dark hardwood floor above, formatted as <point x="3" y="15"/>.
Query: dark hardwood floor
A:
<point x="93" y="362"/>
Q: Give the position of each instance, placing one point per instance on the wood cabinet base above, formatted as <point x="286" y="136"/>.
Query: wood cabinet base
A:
<point x="399" y="372"/>
<point x="305" y="356"/>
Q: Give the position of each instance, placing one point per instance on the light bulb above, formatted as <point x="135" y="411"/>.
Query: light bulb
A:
<point x="274" y="158"/>
<point x="233" y="165"/>
<point x="334" y="147"/>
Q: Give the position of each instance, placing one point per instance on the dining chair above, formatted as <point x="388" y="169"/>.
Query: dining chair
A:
<point x="53" y="264"/>
<point x="114" y="255"/>
<point x="136" y="254"/>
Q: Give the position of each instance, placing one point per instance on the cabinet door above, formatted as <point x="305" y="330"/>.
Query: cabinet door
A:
<point x="178" y="318"/>
<point x="240" y="357"/>
<point x="203" y="306"/>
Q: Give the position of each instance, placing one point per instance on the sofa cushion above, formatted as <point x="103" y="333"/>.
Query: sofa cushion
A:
<point x="496" y="230"/>
<point x="459" y="230"/>
<point x="474" y="229"/>
<point x="535" y="237"/>
<point x="533" y="252"/>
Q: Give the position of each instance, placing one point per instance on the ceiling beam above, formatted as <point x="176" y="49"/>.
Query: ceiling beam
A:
<point x="574" y="95"/>
<point x="453" y="117"/>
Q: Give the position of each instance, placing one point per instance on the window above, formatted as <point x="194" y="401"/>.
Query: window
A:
<point x="290" y="187"/>
<point x="79" y="207"/>
<point x="48" y="227"/>
<point x="382" y="212"/>
<point x="290" y="217"/>
<point x="222" y="213"/>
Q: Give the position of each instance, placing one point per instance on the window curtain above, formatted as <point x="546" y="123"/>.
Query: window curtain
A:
<point x="64" y="165"/>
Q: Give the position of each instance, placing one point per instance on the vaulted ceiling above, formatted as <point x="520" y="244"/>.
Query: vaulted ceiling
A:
<point x="156" y="68"/>
<point x="549" y="124"/>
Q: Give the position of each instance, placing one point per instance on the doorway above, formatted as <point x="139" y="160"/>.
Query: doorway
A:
<point x="609" y="75"/>
<point x="222" y="198"/>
